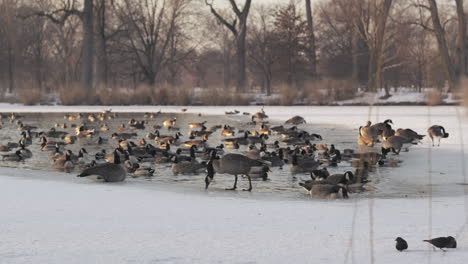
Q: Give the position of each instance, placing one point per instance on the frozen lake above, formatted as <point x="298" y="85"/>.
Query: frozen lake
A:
<point x="52" y="217"/>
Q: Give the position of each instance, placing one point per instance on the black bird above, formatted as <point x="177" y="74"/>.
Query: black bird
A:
<point x="443" y="242"/>
<point x="401" y="244"/>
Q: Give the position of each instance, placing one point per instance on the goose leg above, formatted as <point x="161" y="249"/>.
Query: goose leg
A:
<point x="235" y="185"/>
<point x="250" y="184"/>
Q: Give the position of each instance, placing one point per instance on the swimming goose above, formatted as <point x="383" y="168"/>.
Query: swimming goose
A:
<point x="437" y="132"/>
<point x="234" y="164"/>
<point x="329" y="191"/>
<point x="16" y="156"/>
<point x="123" y="135"/>
<point x="138" y="125"/>
<point x="227" y="131"/>
<point x="104" y="127"/>
<point x="296" y="120"/>
<point x="65" y="163"/>
<point x="303" y="165"/>
<point x="186" y="167"/>
<point x="199" y="143"/>
<point x="110" y="172"/>
<point x="25" y="153"/>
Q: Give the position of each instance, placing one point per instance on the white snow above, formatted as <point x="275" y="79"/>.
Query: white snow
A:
<point x="50" y="217"/>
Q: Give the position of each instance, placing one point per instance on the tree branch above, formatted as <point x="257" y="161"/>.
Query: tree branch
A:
<point x="231" y="27"/>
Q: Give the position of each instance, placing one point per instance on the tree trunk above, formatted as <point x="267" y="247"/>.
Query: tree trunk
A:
<point x="461" y="47"/>
<point x="241" y="68"/>
<point x="102" y="64"/>
<point x="11" y="77"/>
<point x="376" y="57"/>
<point x="88" y="50"/>
<point x="311" y="53"/>
<point x="355" y="56"/>
<point x="442" y="43"/>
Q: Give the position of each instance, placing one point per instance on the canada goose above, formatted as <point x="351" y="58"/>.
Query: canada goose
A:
<point x="46" y="142"/>
<point x="304" y="165"/>
<point x="234" y="164"/>
<point x="199" y="133"/>
<point x="346" y="178"/>
<point x="144" y="172"/>
<point x="186" y="167"/>
<point x="65" y="163"/>
<point x="239" y="140"/>
<point x="138" y="125"/>
<point x="123" y="135"/>
<point x="231" y="145"/>
<point x="253" y="153"/>
<point x="257" y="139"/>
<point x="22" y="127"/>
<point x="260" y="115"/>
<point x="259" y="172"/>
<point x="235" y="112"/>
<point x="69" y="139"/>
<point x="437" y="132"/>
<point x="121" y="128"/>
<point x="370" y="133"/>
<point x="16" y="156"/>
<point x="296" y="120"/>
<point x="170" y="122"/>
<point x="395" y="143"/>
<point x="199" y="143"/>
<point x="53" y="133"/>
<point x="4" y="148"/>
<point x="227" y="131"/>
<point x="380" y="127"/>
<point x="275" y="159"/>
<point x="197" y="125"/>
<point x="82" y="131"/>
<point x="329" y="191"/>
<point x="173" y="140"/>
<point x="102" y="141"/>
<point x="110" y="172"/>
<point x="101" y="155"/>
<point x="408" y="133"/>
<point x="25" y="153"/>
<point x="371" y="157"/>
<point x="104" y="127"/>
<point x="388" y="132"/>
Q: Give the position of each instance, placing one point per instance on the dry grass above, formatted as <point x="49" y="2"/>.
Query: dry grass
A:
<point x="29" y="96"/>
<point x="216" y="96"/>
<point x="328" y="91"/>
<point x="464" y="91"/>
<point x="288" y="94"/>
<point x="434" y="96"/>
<point x="72" y="95"/>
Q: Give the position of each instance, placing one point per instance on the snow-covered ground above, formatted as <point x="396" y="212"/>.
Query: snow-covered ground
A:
<point x="50" y="217"/>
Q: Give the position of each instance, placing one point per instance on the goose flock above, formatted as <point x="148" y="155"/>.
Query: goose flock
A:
<point x="249" y="151"/>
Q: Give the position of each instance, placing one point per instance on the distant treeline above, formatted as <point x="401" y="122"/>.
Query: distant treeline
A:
<point x="97" y="51"/>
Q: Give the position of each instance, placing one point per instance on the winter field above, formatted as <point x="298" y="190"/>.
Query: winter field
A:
<point x="52" y="217"/>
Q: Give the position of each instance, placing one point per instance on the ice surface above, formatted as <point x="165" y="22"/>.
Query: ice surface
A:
<point x="50" y="217"/>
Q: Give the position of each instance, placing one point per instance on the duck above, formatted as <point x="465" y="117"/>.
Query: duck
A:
<point x="437" y="132"/>
<point x="170" y="122"/>
<point x="234" y="164"/>
<point x="227" y="131"/>
<point x="197" y="125"/>
<point x="109" y="172"/>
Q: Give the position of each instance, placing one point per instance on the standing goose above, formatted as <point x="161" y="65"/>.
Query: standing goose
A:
<point x="296" y="120"/>
<point x="234" y="164"/>
<point x="437" y="132"/>
<point x="395" y="143"/>
<point x="110" y="172"/>
<point x="409" y="133"/>
<point x="380" y="127"/>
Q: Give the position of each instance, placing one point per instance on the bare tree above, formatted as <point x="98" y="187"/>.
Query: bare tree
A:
<point x="462" y="35"/>
<point x="239" y="29"/>
<point x="262" y="46"/>
<point x="439" y="32"/>
<point x="311" y="53"/>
